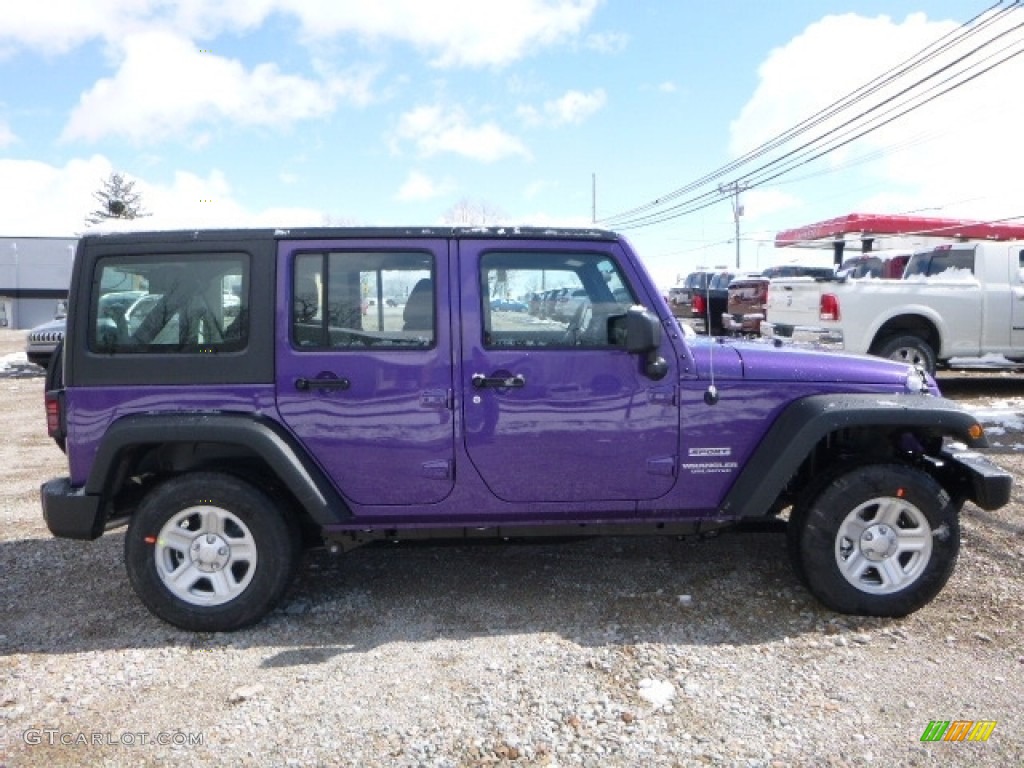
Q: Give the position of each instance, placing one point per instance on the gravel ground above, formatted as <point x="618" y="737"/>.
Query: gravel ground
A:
<point x="613" y="652"/>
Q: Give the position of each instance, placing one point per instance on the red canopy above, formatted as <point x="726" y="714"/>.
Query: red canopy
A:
<point x="869" y="225"/>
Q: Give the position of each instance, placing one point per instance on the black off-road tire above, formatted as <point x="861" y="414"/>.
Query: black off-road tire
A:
<point x="878" y="540"/>
<point x="209" y="552"/>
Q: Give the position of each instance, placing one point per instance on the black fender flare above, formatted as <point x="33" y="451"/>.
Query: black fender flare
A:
<point x="804" y="422"/>
<point x="270" y="441"/>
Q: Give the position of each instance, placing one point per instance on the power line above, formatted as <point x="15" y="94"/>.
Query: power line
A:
<point x="870" y="119"/>
<point x="809" y="152"/>
<point x="833" y="109"/>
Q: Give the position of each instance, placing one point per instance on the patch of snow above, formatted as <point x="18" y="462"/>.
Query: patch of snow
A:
<point x="657" y="692"/>
<point x="15" y="358"/>
<point x="951" y="275"/>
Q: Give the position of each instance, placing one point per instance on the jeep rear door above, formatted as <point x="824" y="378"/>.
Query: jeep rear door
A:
<point x="556" y="410"/>
<point x="364" y="365"/>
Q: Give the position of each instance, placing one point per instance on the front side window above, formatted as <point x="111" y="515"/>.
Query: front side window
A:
<point x="539" y="299"/>
<point x="348" y="299"/>
<point x="160" y="304"/>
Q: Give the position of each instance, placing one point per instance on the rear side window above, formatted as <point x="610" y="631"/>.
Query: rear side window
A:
<point x="355" y="300"/>
<point x="188" y="304"/>
<point x="932" y="263"/>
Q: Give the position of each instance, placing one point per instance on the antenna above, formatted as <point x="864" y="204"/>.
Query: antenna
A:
<point x="711" y="393"/>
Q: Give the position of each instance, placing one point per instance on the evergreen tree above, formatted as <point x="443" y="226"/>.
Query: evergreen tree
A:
<point x="118" y="200"/>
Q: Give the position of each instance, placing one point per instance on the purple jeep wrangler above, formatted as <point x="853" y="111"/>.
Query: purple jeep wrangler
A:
<point x="271" y="388"/>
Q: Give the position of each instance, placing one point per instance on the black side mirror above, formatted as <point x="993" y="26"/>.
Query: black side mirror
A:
<point x="643" y="337"/>
<point x="643" y="331"/>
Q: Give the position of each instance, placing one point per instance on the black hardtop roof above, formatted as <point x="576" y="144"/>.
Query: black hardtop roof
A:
<point x="347" y="233"/>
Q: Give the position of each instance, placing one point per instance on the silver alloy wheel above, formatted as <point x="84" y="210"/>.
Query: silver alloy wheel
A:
<point x="205" y="555"/>
<point x="883" y="545"/>
<point x="908" y="354"/>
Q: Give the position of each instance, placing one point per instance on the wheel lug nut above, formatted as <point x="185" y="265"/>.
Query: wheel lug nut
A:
<point x="222" y="551"/>
<point x="209" y="538"/>
<point x="868" y="536"/>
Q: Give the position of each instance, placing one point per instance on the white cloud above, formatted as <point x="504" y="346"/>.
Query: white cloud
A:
<point x="761" y="202"/>
<point x="58" y="26"/>
<point x="7" y="136"/>
<point x="607" y="42"/>
<point x="573" y="107"/>
<point x="38" y="199"/>
<point x="957" y="156"/>
<point x="418" y="187"/>
<point x="434" y="130"/>
<point x="535" y="189"/>
<point x="165" y="85"/>
<point x="453" y="32"/>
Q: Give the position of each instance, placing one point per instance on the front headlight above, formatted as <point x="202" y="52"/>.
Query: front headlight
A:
<point x="916" y="380"/>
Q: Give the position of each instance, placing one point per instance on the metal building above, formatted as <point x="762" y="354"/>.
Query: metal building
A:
<point x="35" y="273"/>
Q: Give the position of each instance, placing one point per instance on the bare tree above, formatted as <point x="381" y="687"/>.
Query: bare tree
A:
<point x="118" y="200"/>
<point x="473" y="213"/>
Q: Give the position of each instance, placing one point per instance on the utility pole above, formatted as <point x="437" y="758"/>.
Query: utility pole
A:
<point x="593" y="198"/>
<point x="734" y="190"/>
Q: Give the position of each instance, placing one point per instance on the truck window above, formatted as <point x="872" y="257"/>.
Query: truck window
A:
<point x="160" y="304"/>
<point x="935" y="262"/>
<point x="350" y="299"/>
<point x="578" y="294"/>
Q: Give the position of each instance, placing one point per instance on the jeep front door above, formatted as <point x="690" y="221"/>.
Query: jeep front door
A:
<point x="555" y="409"/>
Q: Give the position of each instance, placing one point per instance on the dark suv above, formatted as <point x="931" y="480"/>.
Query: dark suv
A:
<point x="259" y="394"/>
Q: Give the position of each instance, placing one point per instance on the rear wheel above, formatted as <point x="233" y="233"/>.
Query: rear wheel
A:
<point x="909" y="349"/>
<point x="209" y="552"/>
<point x="880" y="540"/>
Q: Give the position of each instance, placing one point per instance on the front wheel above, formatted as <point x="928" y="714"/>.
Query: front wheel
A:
<point x="880" y="540"/>
<point x="209" y="552"/>
<point x="909" y="349"/>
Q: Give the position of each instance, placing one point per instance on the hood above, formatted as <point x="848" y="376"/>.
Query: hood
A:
<point x="760" y="361"/>
<point x="49" y="326"/>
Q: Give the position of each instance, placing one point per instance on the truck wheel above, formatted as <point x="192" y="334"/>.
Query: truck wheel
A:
<point x="880" y="540"/>
<point x="209" y="552"/>
<point x="909" y="349"/>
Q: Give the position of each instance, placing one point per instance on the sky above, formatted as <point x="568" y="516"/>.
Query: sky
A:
<point x="536" y="112"/>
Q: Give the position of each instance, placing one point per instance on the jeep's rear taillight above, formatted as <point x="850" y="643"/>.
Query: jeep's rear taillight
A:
<point x="829" y="308"/>
<point x="55" y="415"/>
<point x="699" y="304"/>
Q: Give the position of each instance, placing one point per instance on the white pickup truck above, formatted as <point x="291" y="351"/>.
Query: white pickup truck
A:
<point x="962" y="299"/>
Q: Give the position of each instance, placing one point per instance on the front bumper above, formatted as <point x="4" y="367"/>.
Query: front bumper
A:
<point x="742" y="323"/>
<point x="803" y="334"/>
<point x="987" y="485"/>
<point x="69" y="512"/>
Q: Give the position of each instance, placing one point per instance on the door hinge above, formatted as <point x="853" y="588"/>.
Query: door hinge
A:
<point x="663" y="395"/>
